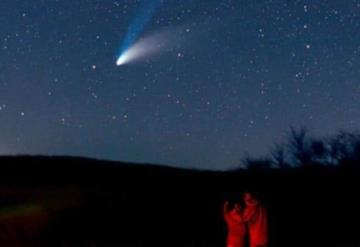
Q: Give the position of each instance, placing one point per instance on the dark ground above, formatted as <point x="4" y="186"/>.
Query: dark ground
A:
<point x="80" y="202"/>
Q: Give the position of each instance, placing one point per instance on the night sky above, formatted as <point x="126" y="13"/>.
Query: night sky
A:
<point x="229" y="77"/>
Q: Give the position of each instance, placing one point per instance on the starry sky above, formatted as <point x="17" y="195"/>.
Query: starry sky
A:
<point x="235" y="76"/>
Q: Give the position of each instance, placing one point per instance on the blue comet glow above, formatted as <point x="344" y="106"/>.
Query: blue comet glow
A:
<point x="145" y="14"/>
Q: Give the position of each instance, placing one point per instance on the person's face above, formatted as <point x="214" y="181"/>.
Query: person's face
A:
<point x="247" y="197"/>
<point x="237" y="207"/>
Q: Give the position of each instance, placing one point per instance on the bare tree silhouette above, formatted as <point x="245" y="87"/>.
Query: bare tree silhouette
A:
<point x="301" y="150"/>
<point x="278" y="154"/>
<point x="299" y="146"/>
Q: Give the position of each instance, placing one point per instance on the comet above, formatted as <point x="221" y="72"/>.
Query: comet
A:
<point x="131" y="49"/>
<point x="145" y="47"/>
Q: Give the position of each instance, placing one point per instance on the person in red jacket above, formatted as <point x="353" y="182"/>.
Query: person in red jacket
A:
<point x="256" y="217"/>
<point x="235" y="224"/>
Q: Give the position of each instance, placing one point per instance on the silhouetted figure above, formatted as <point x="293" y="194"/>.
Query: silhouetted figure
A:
<point x="236" y="225"/>
<point x="256" y="217"/>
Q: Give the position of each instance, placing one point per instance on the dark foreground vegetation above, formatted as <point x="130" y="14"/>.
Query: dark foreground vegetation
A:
<point x="62" y="201"/>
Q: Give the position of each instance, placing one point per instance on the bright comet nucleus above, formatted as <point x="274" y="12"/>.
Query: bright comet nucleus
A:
<point x="121" y="60"/>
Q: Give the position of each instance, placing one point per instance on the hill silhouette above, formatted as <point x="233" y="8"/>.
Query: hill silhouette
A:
<point x="67" y="201"/>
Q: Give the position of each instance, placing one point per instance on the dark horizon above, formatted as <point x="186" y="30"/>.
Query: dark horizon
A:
<point x="298" y="149"/>
<point x="72" y="202"/>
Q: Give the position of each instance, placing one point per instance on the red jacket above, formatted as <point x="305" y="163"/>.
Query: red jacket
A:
<point x="236" y="228"/>
<point x="257" y="218"/>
